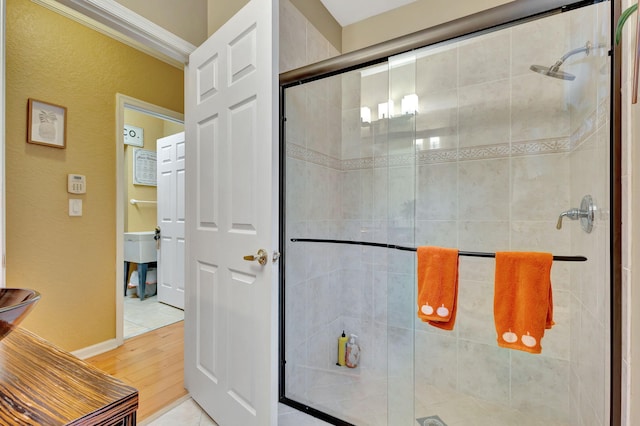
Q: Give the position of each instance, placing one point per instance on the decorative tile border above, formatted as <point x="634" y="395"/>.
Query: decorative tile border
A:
<point x="603" y="112"/>
<point x="310" y="156"/>
<point x="544" y="146"/>
<point x="584" y="131"/>
<point x="483" y="152"/>
<point x="591" y="124"/>
<point x="433" y="156"/>
<point x="361" y="163"/>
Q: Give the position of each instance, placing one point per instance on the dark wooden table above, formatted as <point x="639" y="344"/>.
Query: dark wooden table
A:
<point x="41" y="384"/>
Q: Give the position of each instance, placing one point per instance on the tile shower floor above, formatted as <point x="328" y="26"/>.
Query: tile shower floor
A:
<point x="148" y="314"/>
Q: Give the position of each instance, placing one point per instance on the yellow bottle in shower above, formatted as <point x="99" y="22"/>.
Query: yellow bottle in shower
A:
<point x="342" y="350"/>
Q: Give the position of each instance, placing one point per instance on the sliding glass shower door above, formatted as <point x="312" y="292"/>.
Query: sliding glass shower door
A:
<point x="494" y="142"/>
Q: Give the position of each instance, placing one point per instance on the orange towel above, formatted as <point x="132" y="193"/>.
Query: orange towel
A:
<point x="437" y="286"/>
<point x="523" y="304"/>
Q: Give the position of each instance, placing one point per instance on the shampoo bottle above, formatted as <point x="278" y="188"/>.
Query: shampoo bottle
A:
<point x="353" y="352"/>
<point x="342" y="350"/>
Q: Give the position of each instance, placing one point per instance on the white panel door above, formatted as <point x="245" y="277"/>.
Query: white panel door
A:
<point x="171" y="217"/>
<point x="231" y="303"/>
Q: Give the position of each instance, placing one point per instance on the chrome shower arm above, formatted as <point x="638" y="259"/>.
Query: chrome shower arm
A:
<point x="586" y="49"/>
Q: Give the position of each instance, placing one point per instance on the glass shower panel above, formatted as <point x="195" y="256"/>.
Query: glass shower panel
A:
<point x="313" y="209"/>
<point x="514" y="149"/>
<point x="334" y="191"/>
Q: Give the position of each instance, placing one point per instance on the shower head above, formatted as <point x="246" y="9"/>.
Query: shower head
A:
<point x="554" y="70"/>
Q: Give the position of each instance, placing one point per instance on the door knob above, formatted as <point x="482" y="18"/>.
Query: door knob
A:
<point x="156" y="236"/>
<point x="261" y="257"/>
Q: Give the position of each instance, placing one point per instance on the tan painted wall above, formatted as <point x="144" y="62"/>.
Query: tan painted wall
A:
<point x="171" y="128"/>
<point x="141" y="217"/>
<point x="404" y="20"/>
<point x="219" y="12"/>
<point x="70" y="260"/>
<point x="408" y="19"/>
<point x="185" y="18"/>
<point x="320" y="18"/>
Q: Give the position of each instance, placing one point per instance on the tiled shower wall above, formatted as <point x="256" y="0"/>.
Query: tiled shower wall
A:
<point x="515" y="149"/>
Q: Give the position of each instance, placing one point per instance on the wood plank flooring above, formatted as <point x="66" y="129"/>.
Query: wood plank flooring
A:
<point x="153" y="363"/>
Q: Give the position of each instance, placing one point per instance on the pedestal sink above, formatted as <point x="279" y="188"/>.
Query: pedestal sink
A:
<point x="15" y="304"/>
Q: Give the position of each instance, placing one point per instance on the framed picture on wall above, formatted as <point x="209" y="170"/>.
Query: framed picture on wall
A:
<point x="47" y="124"/>
<point x="144" y="167"/>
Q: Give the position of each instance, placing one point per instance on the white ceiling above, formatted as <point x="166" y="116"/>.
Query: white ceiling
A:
<point x="347" y="12"/>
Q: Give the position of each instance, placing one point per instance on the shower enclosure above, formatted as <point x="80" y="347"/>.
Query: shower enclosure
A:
<point x="485" y="142"/>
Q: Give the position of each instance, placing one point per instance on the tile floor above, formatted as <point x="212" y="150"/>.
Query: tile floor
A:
<point x="188" y="413"/>
<point x="148" y="314"/>
<point x="185" y="413"/>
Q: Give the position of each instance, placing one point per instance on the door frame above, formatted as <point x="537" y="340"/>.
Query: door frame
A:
<point x="123" y="102"/>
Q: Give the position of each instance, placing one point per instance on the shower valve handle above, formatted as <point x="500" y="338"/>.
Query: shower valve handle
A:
<point x="586" y="214"/>
<point x="572" y="214"/>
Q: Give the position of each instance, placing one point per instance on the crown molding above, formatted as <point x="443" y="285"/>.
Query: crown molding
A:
<point x="116" y="21"/>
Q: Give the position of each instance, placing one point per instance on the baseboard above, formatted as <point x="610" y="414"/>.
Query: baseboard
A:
<point x="96" y="349"/>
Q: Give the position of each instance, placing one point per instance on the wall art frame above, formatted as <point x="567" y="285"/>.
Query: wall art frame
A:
<point x="47" y="124"/>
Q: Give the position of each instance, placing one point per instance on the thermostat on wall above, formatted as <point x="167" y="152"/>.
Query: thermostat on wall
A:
<point x="133" y="135"/>
<point x="76" y="184"/>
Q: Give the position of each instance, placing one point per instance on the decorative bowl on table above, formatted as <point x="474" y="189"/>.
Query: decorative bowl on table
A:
<point x="15" y="304"/>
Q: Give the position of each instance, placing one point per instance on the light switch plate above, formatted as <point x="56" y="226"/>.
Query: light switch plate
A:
<point x="75" y="207"/>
